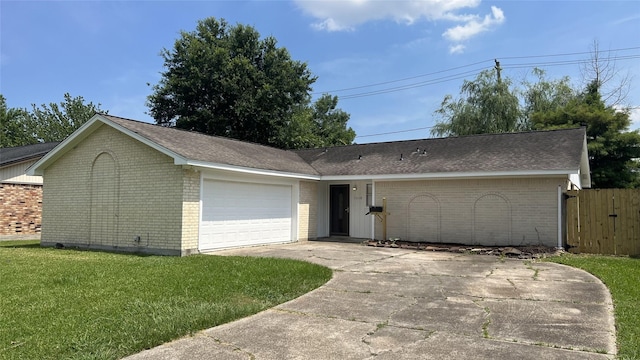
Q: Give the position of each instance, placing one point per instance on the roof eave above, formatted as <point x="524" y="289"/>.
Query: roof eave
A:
<point x="253" y="171"/>
<point x="452" y="175"/>
<point x="19" y="161"/>
<point x="85" y="130"/>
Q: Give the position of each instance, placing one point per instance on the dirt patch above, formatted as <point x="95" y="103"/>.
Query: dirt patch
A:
<point x="516" y="252"/>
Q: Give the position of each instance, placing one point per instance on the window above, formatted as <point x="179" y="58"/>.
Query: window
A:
<point x="369" y="195"/>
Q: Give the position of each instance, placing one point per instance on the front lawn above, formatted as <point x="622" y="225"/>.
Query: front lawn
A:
<point x="622" y="277"/>
<point x="57" y="304"/>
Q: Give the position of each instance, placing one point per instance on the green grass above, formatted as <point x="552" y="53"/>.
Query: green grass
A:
<point x="622" y="277"/>
<point x="61" y="304"/>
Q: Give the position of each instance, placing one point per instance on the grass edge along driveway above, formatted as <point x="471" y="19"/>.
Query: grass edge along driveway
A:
<point x="93" y="305"/>
<point x="622" y="276"/>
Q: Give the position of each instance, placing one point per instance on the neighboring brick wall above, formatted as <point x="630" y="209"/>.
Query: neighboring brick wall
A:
<point x="149" y="196"/>
<point x="20" y="209"/>
<point x="308" y="211"/>
<point x="481" y="212"/>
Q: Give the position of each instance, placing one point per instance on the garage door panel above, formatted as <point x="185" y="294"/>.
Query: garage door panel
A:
<point x="241" y="214"/>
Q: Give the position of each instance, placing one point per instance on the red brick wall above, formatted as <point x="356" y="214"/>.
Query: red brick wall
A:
<point x="20" y="209"/>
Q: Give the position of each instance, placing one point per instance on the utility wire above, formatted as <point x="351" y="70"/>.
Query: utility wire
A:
<point x="400" y="80"/>
<point x="569" y="54"/>
<point x="476" y="71"/>
<point x="459" y="75"/>
<point x="395" y="132"/>
<point x="415" y="85"/>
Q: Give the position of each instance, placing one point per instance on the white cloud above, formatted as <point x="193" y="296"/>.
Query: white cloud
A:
<point x="456" y="49"/>
<point x="634" y="115"/>
<point x="475" y="27"/>
<point x="346" y="15"/>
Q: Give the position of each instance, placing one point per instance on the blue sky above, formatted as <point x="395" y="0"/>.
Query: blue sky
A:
<point x="108" y="51"/>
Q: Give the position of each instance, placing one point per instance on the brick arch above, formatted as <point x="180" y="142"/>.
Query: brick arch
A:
<point x="423" y="218"/>
<point x="104" y="187"/>
<point x="492" y="220"/>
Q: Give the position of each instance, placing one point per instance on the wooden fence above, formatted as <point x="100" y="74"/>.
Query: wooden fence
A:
<point x="603" y="221"/>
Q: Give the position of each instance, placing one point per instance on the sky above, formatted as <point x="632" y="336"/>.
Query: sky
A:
<point x="390" y="63"/>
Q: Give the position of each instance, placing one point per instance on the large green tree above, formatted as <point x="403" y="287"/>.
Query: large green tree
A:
<point x="14" y="126"/>
<point x="225" y="80"/>
<point x="320" y="124"/>
<point x="613" y="149"/>
<point x="544" y="95"/>
<point x="44" y="123"/>
<point x="486" y="105"/>
<point x="56" y="121"/>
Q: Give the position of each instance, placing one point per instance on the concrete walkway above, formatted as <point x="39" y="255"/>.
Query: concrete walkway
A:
<point x="401" y="304"/>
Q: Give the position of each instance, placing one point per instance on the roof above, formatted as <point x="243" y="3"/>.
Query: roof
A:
<point x="198" y="147"/>
<point x="556" y="152"/>
<point x="18" y="154"/>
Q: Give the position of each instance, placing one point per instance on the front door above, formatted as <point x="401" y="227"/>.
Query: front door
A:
<point x="339" y="210"/>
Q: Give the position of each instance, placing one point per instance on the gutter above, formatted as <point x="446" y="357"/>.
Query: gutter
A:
<point x="559" y="247"/>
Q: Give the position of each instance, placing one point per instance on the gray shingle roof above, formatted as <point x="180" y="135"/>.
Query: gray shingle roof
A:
<point x="526" y="151"/>
<point x="18" y="154"/>
<point x="219" y="150"/>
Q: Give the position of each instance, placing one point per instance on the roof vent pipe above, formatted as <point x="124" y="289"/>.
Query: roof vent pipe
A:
<point x="401" y="157"/>
<point x="359" y="157"/>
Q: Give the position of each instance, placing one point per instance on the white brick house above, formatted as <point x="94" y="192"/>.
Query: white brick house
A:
<point x="119" y="184"/>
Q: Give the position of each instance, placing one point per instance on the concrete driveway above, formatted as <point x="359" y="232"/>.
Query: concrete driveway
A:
<point x="402" y="304"/>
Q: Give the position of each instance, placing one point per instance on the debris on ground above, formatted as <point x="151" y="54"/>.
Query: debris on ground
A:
<point x="516" y="252"/>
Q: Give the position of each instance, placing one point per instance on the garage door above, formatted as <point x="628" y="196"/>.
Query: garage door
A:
<point x="241" y="214"/>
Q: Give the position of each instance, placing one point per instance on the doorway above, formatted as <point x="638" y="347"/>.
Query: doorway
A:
<point x="339" y="210"/>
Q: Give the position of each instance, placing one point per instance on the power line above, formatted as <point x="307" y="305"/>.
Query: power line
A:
<point x="474" y="72"/>
<point x="395" y="132"/>
<point x="415" y="85"/>
<point x="399" y="80"/>
<point x="429" y="127"/>
<point x="460" y="75"/>
<point x="567" y="62"/>
<point x="568" y="54"/>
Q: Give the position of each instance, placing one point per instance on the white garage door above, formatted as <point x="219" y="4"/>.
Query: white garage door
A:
<point x="241" y="214"/>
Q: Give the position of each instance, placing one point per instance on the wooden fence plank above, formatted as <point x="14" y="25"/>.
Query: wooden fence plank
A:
<point x="603" y="221"/>
<point x="587" y="229"/>
<point x="573" y="226"/>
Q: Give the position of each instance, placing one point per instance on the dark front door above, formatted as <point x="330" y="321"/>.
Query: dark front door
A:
<point x="339" y="210"/>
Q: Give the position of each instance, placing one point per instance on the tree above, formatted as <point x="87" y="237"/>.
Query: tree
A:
<point x="319" y="125"/>
<point x="486" y="105"/>
<point x="545" y="95"/>
<point x="224" y="80"/>
<point x="13" y="122"/>
<point x="613" y="149"/>
<point x="602" y="71"/>
<point x="54" y="122"/>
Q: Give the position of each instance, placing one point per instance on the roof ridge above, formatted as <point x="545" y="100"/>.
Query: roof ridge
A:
<point x="198" y="133"/>
<point x="441" y="138"/>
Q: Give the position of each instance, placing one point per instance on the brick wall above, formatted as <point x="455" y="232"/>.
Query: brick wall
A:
<point x="308" y="211"/>
<point x="148" y="197"/>
<point x="190" y="211"/>
<point x="21" y="209"/>
<point x="482" y="212"/>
